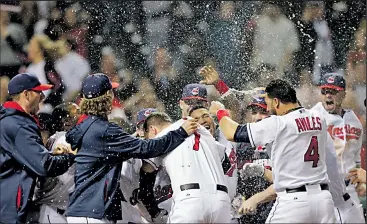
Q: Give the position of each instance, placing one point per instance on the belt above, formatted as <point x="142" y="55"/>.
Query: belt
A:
<point x="60" y="211"/>
<point x="303" y="188"/>
<point x="346" y="196"/>
<point x="197" y="186"/>
<point x="347" y="182"/>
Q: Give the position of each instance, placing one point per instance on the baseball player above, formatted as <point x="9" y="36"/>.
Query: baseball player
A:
<point x="193" y="94"/>
<point x="197" y="179"/>
<point x="131" y="179"/>
<point x="52" y="193"/>
<point x="343" y="126"/>
<point x="296" y="135"/>
<point x="346" y="210"/>
<point x="248" y="185"/>
<point x="102" y="148"/>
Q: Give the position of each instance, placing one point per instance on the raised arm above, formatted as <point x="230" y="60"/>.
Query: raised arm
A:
<point x="122" y="144"/>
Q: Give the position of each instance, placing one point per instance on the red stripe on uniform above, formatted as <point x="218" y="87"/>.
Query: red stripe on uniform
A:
<point x="19" y="198"/>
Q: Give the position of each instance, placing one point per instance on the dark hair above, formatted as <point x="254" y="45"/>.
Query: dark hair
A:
<point x="257" y="109"/>
<point x="62" y="110"/>
<point x="196" y="107"/>
<point x="281" y="90"/>
<point x="156" y="118"/>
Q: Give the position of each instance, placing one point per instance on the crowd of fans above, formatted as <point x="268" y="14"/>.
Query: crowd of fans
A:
<point x="153" y="49"/>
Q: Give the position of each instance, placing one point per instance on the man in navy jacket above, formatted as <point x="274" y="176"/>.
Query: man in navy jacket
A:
<point x="23" y="156"/>
<point x="102" y="147"/>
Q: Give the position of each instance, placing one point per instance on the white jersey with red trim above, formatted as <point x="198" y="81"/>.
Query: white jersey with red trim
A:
<point x="347" y="135"/>
<point x="232" y="173"/>
<point x="298" y="141"/>
<point x="196" y="160"/>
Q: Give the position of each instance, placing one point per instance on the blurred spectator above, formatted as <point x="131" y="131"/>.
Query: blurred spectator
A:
<point x="223" y="43"/>
<point x="343" y="18"/>
<point x="165" y="79"/>
<point x="275" y="40"/>
<point x="29" y="16"/>
<point x="356" y="74"/>
<point x="72" y="68"/>
<point x="307" y="93"/>
<point x="75" y="30"/>
<point x="13" y="38"/>
<point x="4" y="80"/>
<point x="43" y="53"/>
<point x="145" y="98"/>
<point x="324" y="50"/>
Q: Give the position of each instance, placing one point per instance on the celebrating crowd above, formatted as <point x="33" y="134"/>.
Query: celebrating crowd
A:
<point x="185" y="116"/>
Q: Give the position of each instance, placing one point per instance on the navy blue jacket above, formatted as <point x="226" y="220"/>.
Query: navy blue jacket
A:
<point x="102" y="147"/>
<point x="23" y="158"/>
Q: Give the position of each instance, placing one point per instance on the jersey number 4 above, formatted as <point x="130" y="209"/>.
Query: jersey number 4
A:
<point x="312" y="153"/>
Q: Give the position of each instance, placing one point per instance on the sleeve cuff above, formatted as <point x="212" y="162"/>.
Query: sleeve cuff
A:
<point x="182" y="132"/>
<point x="222" y="87"/>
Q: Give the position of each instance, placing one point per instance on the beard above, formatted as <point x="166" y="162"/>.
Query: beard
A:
<point x="273" y="111"/>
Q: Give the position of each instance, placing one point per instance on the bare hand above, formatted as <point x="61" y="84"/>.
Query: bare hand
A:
<point x="214" y="107"/>
<point x="209" y="74"/>
<point x="248" y="206"/>
<point x="357" y="175"/>
<point x="190" y="126"/>
<point x="361" y="189"/>
<point x="63" y="149"/>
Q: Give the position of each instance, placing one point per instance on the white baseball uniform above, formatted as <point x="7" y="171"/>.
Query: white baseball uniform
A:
<point x="298" y="141"/>
<point x="197" y="179"/>
<point x="52" y="194"/>
<point x="129" y="181"/>
<point x="347" y="135"/>
<point x="346" y="209"/>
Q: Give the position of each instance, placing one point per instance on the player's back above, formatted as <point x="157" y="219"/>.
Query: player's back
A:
<point x="197" y="160"/>
<point x="299" y="155"/>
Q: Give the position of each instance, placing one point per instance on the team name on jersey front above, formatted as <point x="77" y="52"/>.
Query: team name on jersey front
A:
<point x="350" y="132"/>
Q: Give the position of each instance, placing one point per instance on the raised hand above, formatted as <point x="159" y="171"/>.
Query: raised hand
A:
<point x="209" y="74"/>
<point x="214" y="107"/>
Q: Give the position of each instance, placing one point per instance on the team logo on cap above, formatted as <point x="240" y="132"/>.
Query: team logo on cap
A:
<point x="330" y="79"/>
<point x="148" y="112"/>
<point x="195" y="91"/>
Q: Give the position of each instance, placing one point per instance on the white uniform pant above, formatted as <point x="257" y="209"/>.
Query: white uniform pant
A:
<point x="313" y="206"/>
<point x="86" y="220"/>
<point x="131" y="213"/>
<point x="49" y="214"/>
<point x="349" y="212"/>
<point x="200" y="206"/>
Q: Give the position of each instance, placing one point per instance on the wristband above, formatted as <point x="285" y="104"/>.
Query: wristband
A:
<point x="222" y="113"/>
<point x="221" y="86"/>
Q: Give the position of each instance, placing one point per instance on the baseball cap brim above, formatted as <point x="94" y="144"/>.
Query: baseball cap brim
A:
<point x="194" y="97"/>
<point x="43" y="87"/>
<point x="332" y="87"/>
<point x="115" y="85"/>
<point x="257" y="104"/>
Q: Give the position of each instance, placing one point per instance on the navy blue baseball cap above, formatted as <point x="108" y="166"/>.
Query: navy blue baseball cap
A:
<point x="96" y="85"/>
<point x="333" y="81"/>
<point x="26" y="81"/>
<point x="194" y="91"/>
<point x="258" y="102"/>
<point x="143" y="114"/>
